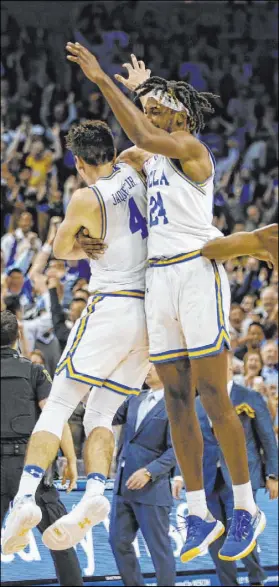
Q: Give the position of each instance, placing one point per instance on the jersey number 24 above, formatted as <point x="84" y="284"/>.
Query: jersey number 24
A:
<point x="157" y="210"/>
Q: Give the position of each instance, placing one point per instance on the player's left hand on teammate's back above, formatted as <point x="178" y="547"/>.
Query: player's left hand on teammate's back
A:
<point x="86" y="60"/>
<point x="138" y="480"/>
<point x="70" y="474"/>
<point x="93" y="247"/>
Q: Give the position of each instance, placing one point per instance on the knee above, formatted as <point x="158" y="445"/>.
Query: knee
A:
<point x="96" y="419"/>
<point x="54" y="416"/>
<point x="176" y="378"/>
<point x="216" y="401"/>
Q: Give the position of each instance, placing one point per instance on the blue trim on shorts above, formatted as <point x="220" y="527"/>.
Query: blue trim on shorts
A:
<point x="182" y="258"/>
<point x="222" y="339"/>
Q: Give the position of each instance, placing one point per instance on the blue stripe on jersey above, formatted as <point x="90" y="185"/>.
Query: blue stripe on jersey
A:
<point x="103" y="211"/>
<point x="210" y="153"/>
<point x="175" y="164"/>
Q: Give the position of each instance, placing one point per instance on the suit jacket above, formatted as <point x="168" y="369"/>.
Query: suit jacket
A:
<point x="148" y="446"/>
<point x="260" y="439"/>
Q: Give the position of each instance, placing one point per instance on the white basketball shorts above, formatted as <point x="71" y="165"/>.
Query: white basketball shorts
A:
<point x="108" y="345"/>
<point x="187" y="305"/>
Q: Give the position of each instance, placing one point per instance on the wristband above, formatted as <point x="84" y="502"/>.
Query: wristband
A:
<point x="47" y="248"/>
<point x="273" y="477"/>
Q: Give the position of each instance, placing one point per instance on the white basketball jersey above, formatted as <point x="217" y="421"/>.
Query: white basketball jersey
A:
<point x="180" y="210"/>
<point x="122" y="199"/>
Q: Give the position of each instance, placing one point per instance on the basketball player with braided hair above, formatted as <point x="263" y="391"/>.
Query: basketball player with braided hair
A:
<point x="187" y="295"/>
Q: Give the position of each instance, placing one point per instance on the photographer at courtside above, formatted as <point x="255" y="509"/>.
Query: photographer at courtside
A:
<point x="24" y="390"/>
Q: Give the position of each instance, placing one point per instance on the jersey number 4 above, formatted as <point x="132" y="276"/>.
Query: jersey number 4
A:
<point x="137" y="220"/>
<point x="157" y="210"/>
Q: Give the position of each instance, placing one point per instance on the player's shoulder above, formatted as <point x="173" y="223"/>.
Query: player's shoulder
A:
<point x="189" y="140"/>
<point x="134" y="157"/>
<point x="82" y="197"/>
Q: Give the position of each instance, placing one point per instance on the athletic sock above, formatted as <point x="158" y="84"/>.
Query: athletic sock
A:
<point x="96" y="483"/>
<point x="196" y="502"/>
<point x="30" y="480"/>
<point x="243" y="498"/>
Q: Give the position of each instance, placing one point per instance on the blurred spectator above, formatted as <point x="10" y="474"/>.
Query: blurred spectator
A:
<point x="254" y="340"/>
<point x="61" y="324"/>
<point x="13" y="243"/>
<point x="269" y="354"/>
<point x="269" y="303"/>
<point x="37" y="357"/>
<point x="236" y="320"/>
<point x="252" y="369"/>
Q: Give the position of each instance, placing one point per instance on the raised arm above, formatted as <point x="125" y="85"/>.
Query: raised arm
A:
<point x="178" y="145"/>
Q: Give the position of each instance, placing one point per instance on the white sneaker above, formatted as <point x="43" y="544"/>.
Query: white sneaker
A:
<point x="24" y="515"/>
<point x="71" y="529"/>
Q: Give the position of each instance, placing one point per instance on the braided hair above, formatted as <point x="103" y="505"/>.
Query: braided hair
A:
<point x="196" y="102"/>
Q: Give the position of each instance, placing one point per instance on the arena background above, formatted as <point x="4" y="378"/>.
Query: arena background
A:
<point x="229" y="48"/>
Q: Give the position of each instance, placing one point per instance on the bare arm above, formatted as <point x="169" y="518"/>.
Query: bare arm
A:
<point x="65" y="245"/>
<point x="58" y="153"/>
<point x="134" y="157"/>
<point x="261" y="244"/>
<point x="178" y="145"/>
<point x="42" y="257"/>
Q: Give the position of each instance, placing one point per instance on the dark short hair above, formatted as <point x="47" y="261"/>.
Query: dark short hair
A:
<point x="236" y="306"/>
<point x="9" y="328"/>
<point x="92" y="141"/>
<point x="270" y="330"/>
<point x="78" y="300"/>
<point x="256" y="324"/>
<point x="12" y="302"/>
<point x="83" y="291"/>
<point x="14" y="270"/>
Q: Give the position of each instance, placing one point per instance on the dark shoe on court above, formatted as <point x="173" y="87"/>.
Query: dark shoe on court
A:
<point x="200" y="534"/>
<point x="23" y="516"/>
<point x="242" y="535"/>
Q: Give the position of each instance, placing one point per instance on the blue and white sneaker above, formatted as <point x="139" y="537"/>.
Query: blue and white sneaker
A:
<point x="242" y="535"/>
<point x="200" y="534"/>
<point x="23" y="516"/>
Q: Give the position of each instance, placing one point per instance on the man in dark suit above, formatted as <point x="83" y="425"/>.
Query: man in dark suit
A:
<point x="260" y="437"/>
<point x="142" y="490"/>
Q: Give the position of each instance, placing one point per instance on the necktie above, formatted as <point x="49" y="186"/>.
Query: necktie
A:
<point x="146" y="406"/>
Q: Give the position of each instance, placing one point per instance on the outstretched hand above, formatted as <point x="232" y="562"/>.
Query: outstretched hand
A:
<point x="86" y="60"/>
<point x="136" y="72"/>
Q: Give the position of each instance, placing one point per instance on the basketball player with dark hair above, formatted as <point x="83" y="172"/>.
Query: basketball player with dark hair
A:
<point x="106" y="355"/>
<point x="187" y="296"/>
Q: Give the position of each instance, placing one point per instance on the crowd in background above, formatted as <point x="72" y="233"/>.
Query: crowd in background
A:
<point x="230" y="50"/>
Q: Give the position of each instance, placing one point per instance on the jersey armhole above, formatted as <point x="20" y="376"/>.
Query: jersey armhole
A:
<point x="176" y="165"/>
<point x="103" y="211"/>
<point x="142" y="177"/>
